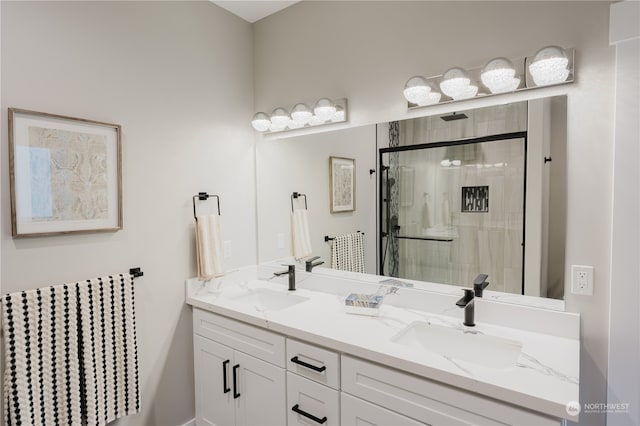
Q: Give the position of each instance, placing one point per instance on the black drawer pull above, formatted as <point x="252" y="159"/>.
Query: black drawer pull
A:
<point x="309" y="416"/>
<point x="225" y="385"/>
<point x="304" y="364"/>
<point x="236" y="394"/>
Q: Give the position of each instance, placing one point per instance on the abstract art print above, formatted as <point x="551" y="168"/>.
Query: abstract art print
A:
<point x="342" y="184"/>
<point x="65" y="174"/>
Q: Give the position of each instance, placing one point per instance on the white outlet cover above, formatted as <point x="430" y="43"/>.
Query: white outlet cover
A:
<point x="582" y="280"/>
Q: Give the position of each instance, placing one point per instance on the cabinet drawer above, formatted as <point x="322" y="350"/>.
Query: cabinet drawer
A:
<point x="305" y="359"/>
<point x="313" y="399"/>
<point x="355" y="412"/>
<point x="260" y="343"/>
<point x="429" y="401"/>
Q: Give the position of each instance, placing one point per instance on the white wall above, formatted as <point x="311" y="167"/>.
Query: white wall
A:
<point x="301" y="164"/>
<point x="624" y="335"/>
<point x="178" y="77"/>
<point x="366" y="51"/>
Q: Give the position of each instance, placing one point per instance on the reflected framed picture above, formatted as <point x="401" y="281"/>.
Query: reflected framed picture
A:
<point x="342" y="184"/>
<point x="65" y="174"/>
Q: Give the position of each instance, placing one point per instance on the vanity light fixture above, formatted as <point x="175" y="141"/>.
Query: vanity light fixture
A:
<point x="325" y="111"/>
<point x="550" y="65"/>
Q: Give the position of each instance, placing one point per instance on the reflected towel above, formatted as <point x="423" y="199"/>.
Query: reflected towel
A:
<point x="209" y="251"/>
<point x="347" y="252"/>
<point x="300" y="233"/>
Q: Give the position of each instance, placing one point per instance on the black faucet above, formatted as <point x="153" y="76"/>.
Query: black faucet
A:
<point x="468" y="304"/>
<point x="291" y="271"/>
<point x="310" y="264"/>
<point x="479" y="284"/>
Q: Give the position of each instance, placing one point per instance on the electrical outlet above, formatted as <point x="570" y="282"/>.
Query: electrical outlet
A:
<point x="227" y="249"/>
<point x="582" y="280"/>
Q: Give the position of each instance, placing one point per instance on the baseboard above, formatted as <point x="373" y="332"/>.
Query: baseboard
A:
<point x="191" y="422"/>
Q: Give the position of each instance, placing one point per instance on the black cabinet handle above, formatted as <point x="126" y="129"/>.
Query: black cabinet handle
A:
<point x="225" y="385"/>
<point x="236" y="394"/>
<point x="309" y="416"/>
<point x="304" y="364"/>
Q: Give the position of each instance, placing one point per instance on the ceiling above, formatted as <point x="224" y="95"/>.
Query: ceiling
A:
<point x="252" y="11"/>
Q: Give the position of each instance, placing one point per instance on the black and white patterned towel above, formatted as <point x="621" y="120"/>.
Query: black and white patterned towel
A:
<point x="71" y="353"/>
<point x="347" y="252"/>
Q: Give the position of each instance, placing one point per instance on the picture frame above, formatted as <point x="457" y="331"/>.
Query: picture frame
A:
<point x="342" y="184"/>
<point x="65" y="174"/>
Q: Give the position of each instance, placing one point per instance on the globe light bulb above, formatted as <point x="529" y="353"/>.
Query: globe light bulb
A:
<point x="498" y="75"/>
<point x="261" y="122"/>
<point x="301" y="113"/>
<point x="324" y="109"/>
<point x="416" y="90"/>
<point x="280" y="117"/>
<point x="455" y="83"/>
<point x="549" y="66"/>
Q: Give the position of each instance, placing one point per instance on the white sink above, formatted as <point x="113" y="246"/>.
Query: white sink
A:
<point x="272" y="300"/>
<point x="470" y="346"/>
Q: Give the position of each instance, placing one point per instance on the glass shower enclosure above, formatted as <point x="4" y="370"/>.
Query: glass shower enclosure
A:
<point x="452" y="210"/>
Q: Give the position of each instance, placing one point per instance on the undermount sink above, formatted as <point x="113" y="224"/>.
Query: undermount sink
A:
<point x="470" y="346"/>
<point x="272" y="300"/>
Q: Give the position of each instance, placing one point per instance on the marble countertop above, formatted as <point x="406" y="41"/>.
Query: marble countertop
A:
<point x="544" y="379"/>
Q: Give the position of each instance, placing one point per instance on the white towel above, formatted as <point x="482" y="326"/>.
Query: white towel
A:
<point x="71" y="353"/>
<point x="209" y="251"/>
<point x="347" y="252"/>
<point x="300" y="233"/>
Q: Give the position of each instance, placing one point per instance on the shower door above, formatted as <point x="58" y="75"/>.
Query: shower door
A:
<point x="452" y="210"/>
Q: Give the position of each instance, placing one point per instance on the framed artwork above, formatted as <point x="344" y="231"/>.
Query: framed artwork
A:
<point x="342" y="184"/>
<point x="65" y="174"/>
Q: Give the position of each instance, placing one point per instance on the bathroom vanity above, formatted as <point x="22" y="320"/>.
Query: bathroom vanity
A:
<point x="268" y="356"/>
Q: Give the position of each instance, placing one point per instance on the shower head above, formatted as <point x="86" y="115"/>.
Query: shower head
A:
<point x="454" y="116"/>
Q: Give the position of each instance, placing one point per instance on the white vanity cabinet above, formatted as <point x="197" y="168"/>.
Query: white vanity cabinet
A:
<point x="424" y="400"/>
<point x="240" y="377"/>
<point x="313" y="385"/>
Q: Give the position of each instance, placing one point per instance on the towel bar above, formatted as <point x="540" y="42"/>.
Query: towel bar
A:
<point x="297" y="195"/>
<point x="204" y="196"/>
<point x="328" y="238"/>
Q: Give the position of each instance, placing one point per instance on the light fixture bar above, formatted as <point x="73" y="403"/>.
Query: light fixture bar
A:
<point x="322" y="112"/>
<point x="521" y="80"/>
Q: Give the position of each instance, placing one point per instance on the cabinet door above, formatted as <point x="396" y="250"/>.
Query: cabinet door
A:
<point x="262" y="400"/>
<point x="356" y="412"/>
<point x="214" y="406"/>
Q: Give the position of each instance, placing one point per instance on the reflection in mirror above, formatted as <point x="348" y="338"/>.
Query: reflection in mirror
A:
<point x="450" y="196"/>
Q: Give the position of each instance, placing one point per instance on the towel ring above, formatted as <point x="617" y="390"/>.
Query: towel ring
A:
<point x="297" y="195"/>
<point x="204" y="196"/>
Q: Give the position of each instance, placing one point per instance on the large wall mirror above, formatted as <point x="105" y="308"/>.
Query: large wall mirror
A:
<point x="439" y="199"/>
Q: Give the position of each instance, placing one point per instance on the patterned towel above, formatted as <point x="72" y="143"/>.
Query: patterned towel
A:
<point x="71" y="353"/>
<point x="347" y="252"/>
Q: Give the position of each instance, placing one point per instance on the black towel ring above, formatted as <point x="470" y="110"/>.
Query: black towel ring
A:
<point x="297" y="195"/>
<point x="204" y="196"/>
